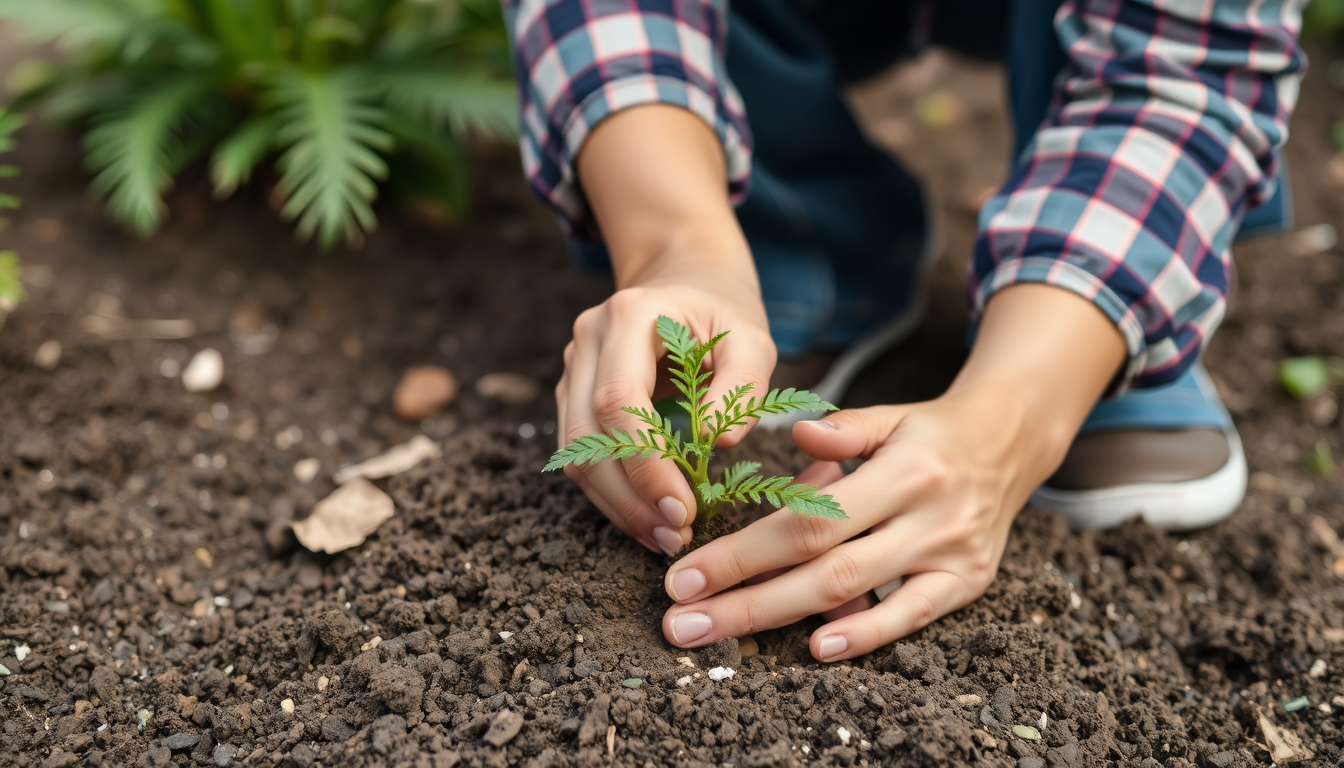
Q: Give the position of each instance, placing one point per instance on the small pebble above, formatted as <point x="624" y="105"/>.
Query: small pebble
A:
<point x="21" y="651"/>
<point x="682" y="682"/>
<point x="306" y="469"/>
<point x="505" y="635"/>
<point x="322" y="683"/>
<point x="424" y="391"/>
<point x="181" y="741"/>
<point x="1075" y="600"/>
<point x="374" y="643"/>
<point x="48" y="355"/>
<point x="223" y="755"/>
<point x="1318" y="669"/>
<point x="721" y="673"/>
<point x="685" y="661"/>
<point x="844" y="735"/>
<point x="207" y="559"/>
<point x="288" y="706"/>
<point x="204" y="372"/>
<point x="969" y="700"/>
<point x="512" y="388"/>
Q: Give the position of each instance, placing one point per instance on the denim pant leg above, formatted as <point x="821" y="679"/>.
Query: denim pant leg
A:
<point x="836" y="226"/>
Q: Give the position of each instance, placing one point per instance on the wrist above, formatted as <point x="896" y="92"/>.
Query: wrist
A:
<point x="692" y="251"/>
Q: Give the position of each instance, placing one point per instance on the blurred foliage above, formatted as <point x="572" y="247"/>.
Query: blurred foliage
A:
<point x="1323" y="18"/>
<point x="11" y="290"/>
<point x="342" y="94"/>
<point x="1321" y="461"/>
<point x="1307" y="377"/>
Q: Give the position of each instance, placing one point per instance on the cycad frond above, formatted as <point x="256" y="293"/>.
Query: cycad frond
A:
<point x="72" y="23"/>
<point x="464" y="102"/>
<point x="236" y="156"/>
<point x="332" y="133"/>
<point x="135" y="149"/>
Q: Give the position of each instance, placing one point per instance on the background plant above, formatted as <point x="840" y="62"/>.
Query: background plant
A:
<point x="11" y="290"/>
<point x="344" y="94"/>
<point x="742" y="481"/>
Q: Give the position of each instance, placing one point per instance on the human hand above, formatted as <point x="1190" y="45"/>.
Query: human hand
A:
<point x="613" y="363"/>
<point x="932" y="505"/>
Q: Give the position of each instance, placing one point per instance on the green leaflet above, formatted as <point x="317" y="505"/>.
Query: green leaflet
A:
<point x="741" y="482"/>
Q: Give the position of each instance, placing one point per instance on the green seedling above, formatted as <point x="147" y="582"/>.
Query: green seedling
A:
<point x="742" y="481"/>
<point x="11" y="290"/>
<point x="1321" y="461"/>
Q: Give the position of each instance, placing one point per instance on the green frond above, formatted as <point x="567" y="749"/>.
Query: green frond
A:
<point x="135" y="149"/>
<point x="71" y="23"/>
<point x="236" y="156"/>
<point x="463" y="102"/>
<point x="807" y="500"/>
<point x="787" y="401"/>
<point x="711" y="493"/>
<point x="332" y="134"/>
<point x="598" y="446"/>
<point x="676" y="338"/>
<point x="702" y="350"/>
<point x="428" y="163"/>
<point x="11" y="290"/>
<point x="736" y="474"/>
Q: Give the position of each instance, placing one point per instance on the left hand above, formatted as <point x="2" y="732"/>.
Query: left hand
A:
<point x="936" y="498"/>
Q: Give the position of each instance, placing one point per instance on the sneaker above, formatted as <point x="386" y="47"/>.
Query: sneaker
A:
<point x="1169" y="455"/>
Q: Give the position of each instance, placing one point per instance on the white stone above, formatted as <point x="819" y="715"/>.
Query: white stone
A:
<point x="1318" y="669"/>
<point x="682" y="682"/>
<point x="204" y="372"/>
<point x="306" y="469"/>
<point x="322" y="683"/>
<point x="1075" y="600"/>
<point x="844" y="735"/>
<point x="721" y="673"/>
<point x="685" y="661"/>
<point x="505" y="635"/>
<point x="288" y="706"/>
<point x="21" y="652"/>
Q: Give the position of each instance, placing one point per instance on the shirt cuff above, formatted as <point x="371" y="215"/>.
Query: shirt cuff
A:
<point x="633" y="91"/>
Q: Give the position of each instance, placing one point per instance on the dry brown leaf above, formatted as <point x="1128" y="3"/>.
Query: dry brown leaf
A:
<point x="391" y="462"/>
<point x="1283" y="743"/>
<point x="345" y="518"/>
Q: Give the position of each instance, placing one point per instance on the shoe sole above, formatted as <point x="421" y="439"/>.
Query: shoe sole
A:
<point x="1179" y="506"/>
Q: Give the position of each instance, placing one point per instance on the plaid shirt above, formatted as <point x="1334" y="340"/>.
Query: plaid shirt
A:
<point x="1164" y="131"/>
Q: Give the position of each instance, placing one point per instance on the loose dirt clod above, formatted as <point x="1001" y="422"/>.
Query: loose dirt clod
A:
<point x="345" y="518"/>
<point x="503" y="728"/>
<point x="511" y="388"/>
<point x="48" y="355"/>
<point x="424" y="391"/>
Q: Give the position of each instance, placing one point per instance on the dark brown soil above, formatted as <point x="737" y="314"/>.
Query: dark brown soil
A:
<point x="166" y="612"/>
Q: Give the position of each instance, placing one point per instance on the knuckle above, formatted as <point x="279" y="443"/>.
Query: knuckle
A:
<point x="841" y="579"/>
<point x="569" y="352"/>
<point x="933" y="472"/>
<point x="735" y="567"/>
<point x="610" y="397"/>
<point x="587" y="321"/>
<point x="753" y="616"/>
<point x="812" y="535"/>
<point x="629" y="301"/>
<point x="922" y="611"/>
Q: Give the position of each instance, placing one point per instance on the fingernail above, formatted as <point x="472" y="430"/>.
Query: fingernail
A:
<point x="833" y="646"/>
<point x="686" y="583"/>
<point x="668" y="540"/>
<point x="819" y="423"/>
<point x="689" y="627"/>
<point x="674" y="511"/>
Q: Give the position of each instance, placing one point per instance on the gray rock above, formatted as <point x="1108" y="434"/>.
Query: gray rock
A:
<point x="181" y="741"/>
<point x="223" y="755"/>
<point x="576" y="612"/>
<point x="1031" y="761"/>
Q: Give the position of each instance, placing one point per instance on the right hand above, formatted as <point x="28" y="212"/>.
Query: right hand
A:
<point x="614" y="362"/>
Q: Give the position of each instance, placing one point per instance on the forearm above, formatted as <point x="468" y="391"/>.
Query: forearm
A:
<point x="1041" y="360"/>
<point x="656" y="181"/>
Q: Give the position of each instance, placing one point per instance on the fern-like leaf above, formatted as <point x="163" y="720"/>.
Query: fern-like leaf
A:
<point x="11" y="290"/>
<point x="463" y="102"/>
<point x="676" y="338"/>
<point x="236" y="157"/>
<point x="736" y="474"/>
<point x="332" y="133"/>
<point x="807" y="500"/>
<point x="598" y="446"/>
<point x="136" y="148"/>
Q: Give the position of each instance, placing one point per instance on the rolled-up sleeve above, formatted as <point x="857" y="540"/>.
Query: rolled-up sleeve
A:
<point x="1165" y="131"/>
<point x="580" y="61"/>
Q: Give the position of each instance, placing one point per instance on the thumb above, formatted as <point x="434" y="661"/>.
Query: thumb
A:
<point x="848" y="434"/>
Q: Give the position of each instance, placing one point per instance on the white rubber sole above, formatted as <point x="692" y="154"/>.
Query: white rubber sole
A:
<point x="1172" y="506"/>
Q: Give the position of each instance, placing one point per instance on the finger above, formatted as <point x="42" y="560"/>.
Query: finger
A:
<point x="745" y="356"/>
<point x="861" y="603"/>
<point x="848" y="434"/>
<point x="823" y="584"/>
<point x="921" y="599"/>
<point x="624" y="377"/>
<point x="821" y="473"/>
<point x="781" y="539"/>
